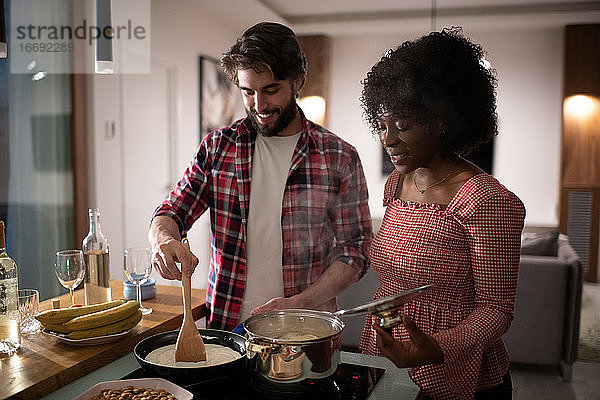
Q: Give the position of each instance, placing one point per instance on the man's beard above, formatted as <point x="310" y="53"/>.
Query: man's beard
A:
<point x="286" y="116"/>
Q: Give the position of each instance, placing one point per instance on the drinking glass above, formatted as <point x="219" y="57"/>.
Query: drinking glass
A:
<point x="137" y="267"/>
<point x="29" y="302"/>
<point x="70" y="269"/>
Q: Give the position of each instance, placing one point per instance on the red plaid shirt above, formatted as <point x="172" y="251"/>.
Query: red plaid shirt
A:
<point x="470" y="251"/>
<point x="324" y="214"/>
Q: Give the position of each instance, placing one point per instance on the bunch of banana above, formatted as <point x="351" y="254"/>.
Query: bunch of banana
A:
<point x="90" y="321"/>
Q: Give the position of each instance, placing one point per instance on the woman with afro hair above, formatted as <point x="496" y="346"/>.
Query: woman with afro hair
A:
<point x="431" y="102"/>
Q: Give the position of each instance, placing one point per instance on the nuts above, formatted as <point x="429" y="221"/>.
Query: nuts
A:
<point x="133" y="393"/>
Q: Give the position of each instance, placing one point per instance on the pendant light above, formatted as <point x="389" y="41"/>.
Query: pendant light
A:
<point x="3" y="43"/>
<point x="433" y="15"/>
<point x="104" y="50"/>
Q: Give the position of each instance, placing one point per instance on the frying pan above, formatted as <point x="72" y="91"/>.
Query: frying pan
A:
<point x="193" y="374"/>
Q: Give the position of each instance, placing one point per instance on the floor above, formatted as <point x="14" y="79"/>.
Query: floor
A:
<point x="545" y="384"/>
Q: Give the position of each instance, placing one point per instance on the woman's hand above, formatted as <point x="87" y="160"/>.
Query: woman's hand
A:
<point x="420" y="350"/>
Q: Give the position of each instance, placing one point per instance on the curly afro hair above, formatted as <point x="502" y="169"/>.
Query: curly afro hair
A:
<point x="438" y="77"/>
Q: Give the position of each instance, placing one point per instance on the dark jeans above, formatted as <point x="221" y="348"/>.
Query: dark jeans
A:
<point x="502" y="392"/>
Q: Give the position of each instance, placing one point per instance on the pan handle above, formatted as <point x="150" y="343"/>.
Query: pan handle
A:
<point x="253" y="347"/>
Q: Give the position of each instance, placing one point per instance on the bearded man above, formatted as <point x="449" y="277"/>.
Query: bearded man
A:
<point x="289" y="215"/>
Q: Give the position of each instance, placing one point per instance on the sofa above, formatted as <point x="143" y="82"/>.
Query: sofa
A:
<point x="545" y="330"/>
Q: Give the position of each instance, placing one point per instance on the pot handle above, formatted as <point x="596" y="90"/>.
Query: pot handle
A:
<point x="388" y="323"/>
<point x="252" y="348"/>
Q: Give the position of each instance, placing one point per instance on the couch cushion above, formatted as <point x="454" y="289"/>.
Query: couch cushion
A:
<point x="540" y="244"/>
<point x="537" y="332"/>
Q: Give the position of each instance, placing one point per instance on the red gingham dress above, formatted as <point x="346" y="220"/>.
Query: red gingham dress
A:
<point x="470" y="250"/>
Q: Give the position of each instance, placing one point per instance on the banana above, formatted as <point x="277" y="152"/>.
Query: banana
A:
<point x="100" y="318"/>
<point x="65" y="314"/>
<point x="110" y="329"/>
<point x="58" y="328"/>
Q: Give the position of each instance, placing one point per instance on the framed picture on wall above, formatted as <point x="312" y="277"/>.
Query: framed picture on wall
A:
<point x="220" y="100"/>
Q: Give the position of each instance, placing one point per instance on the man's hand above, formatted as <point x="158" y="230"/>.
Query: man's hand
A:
<point x="420" y="350"/>
<point x="335" y="279"/>
<point x="166" y="254"/>
<point x="168" y="250"/>
<point x="277" y="303"/>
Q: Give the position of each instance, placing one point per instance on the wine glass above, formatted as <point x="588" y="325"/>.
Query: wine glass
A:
<point x="137" y="267"/>
<point x="70" y="269"/>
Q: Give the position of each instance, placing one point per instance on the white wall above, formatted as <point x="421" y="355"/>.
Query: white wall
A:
<point x="527" y="149"/>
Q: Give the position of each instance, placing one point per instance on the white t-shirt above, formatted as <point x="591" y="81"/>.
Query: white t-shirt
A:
<point x="264" y="245"/>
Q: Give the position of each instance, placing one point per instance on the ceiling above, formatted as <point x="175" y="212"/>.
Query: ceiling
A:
<point x="372" y="16"/>
<point x="293" y="10"/>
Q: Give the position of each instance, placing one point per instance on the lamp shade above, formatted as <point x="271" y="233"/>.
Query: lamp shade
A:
<point x="314" y="108"/>
<point x="317" y="49"/>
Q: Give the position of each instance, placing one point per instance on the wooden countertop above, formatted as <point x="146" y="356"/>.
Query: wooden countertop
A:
<point x="43" y="364"/>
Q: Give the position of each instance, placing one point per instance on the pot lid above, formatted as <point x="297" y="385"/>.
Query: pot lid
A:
<point x="387" y="303"/>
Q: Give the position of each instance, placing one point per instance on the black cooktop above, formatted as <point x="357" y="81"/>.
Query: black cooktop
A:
<point x="349" y="382"/>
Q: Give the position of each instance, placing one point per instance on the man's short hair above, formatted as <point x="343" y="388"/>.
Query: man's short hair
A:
<point x="265" y="45"/>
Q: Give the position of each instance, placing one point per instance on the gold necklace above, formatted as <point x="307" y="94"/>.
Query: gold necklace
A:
<point x="422" y="191"/>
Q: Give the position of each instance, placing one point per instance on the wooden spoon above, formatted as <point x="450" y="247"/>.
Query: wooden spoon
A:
<point x="189" y="346"/>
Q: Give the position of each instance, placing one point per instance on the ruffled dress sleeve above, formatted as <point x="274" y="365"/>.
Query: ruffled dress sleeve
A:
<point x="493" y="227"/>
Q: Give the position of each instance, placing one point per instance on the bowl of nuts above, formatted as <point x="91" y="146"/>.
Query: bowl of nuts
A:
<point x="136" y="389"/>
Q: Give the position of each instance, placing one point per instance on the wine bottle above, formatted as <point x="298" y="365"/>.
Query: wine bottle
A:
<point x="97" y="262"/>
<point x="10" y="334"/>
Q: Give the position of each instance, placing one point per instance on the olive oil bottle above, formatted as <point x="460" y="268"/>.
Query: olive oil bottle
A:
<point x="97" y="262"/>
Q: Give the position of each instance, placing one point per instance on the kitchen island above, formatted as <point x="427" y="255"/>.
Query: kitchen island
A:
<point x="45" y="367"/>
<point x="43" y="364"/>
<point x="395" y="383"/>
